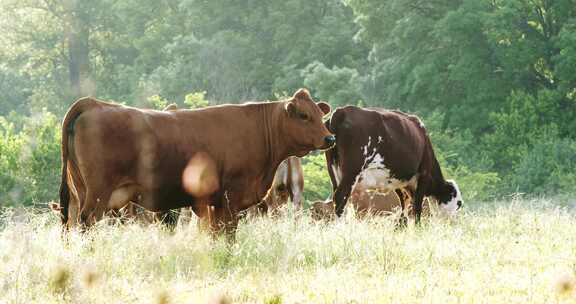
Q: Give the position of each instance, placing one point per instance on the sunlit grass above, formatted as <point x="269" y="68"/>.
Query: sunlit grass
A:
<point x="517" y="252"/>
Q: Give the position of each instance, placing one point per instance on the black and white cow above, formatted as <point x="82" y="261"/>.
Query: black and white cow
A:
<point x="386" y="151"/>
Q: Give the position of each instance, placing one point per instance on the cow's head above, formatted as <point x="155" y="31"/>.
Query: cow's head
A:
<point x="452" y="200"/>
<point x="304" y="128"/>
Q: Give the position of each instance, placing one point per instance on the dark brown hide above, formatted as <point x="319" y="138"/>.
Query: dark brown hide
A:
<point x="385" y="151"/>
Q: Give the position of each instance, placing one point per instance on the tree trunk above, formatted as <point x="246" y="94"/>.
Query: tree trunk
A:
<point x="77" y="36"/>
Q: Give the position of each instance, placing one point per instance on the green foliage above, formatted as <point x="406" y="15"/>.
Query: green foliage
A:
<point x="340" y="86"/>
<point x="157" y="102"/>
<point x="196" y="100"/>
<point x="495" y="80"/>
<point x="40" y="158"/>
<point x="475" y="185"/>
<point x="526" y="120"/>
<point x="10" y="146"/>
<point x="317" y="185"/>
<point x="30" y="160"/>
<point x="548" y="168"/>
<point x="453" y="151"/>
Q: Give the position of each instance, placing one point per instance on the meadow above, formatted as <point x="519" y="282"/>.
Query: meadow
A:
<point x="515" y="251"/>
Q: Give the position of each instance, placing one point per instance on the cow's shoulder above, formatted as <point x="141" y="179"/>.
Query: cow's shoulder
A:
<point x="347" y="117"/>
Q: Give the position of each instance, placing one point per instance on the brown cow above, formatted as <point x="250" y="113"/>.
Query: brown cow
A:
<point x="386" y="151"/>
<point x="226" y="155"/>
<point x="288" y="183"/>
<point x="322" y="210"/>
<point x="365" y="203"/>
<point x="369" y="202"/>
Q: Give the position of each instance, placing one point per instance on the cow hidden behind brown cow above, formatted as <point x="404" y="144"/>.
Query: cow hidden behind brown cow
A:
<point x="114" y="154"/>
<point x="368" y="203"/>
<point x="288" y="184"/>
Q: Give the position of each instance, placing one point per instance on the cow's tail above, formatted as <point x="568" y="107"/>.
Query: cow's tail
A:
<point x="73" y="113"/>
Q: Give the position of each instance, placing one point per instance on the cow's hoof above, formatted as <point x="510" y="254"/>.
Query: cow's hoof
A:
<point x="401" y="224"/>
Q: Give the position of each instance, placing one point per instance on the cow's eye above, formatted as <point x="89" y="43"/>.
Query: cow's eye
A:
<point x="303" y="116"/>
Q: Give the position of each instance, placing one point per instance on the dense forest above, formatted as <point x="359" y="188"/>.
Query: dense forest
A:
<point x="494" y="80"/>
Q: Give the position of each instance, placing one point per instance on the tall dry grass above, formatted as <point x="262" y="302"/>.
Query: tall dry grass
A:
<point x="505" y="252"/>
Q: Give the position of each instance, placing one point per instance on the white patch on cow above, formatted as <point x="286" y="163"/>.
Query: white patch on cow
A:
<point x="375" y="176"/>
<point x="451" y="207"/>
<point x="337" y="173"/>
<point x="365" y="148"/>
<point x="380" y="139"/>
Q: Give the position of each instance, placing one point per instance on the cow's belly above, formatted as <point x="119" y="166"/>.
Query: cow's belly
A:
<point x="376" y="176"/>
<point x="382" y="181"/>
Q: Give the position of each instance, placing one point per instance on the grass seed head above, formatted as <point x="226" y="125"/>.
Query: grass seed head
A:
<point x="566" y="285"/>
<point x="90" y="277"/>
<point x="162" y="297"/>
<point x="275" y="299"/>
<point x="60" y="278"/>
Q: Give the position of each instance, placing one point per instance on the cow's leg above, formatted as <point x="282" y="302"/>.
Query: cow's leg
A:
<point x="226" y="222"/>
<point x="99" y="200"/>
<point x="342" y="193"/>
<point x="204" y="211"/>
<point x="417" y="204"/>
<point x="262" y="208"/>
<point x="402" y="196"/>
<point x="185" y="217"/>
<point x="226" y="215"/>
<point x="296" y="197"/>
<point x="73" y="208"/>
<point x="217" y="220"/>
<point x="77" y="198"/>
<point x="94" y="207"/>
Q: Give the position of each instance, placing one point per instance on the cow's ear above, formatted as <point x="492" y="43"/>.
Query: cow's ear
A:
<point x="324" y="107"/>
<point x="302" y="94"/>
<point x="290" y="108"/>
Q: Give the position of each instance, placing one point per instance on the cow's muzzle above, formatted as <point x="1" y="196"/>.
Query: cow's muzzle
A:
<point x="330" y="140"/>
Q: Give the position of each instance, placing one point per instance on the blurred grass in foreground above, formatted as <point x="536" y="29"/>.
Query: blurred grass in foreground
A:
<point x="505" y="252"/>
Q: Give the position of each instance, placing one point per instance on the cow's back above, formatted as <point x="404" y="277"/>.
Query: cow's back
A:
<point x="391" y="136"/>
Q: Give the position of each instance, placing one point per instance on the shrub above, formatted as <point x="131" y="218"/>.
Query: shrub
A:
<point x="317" y="185"/>
<point x="454" y="152"/>
<point x="40" y="157"/>
<point x="10" y="145"/>
<point x="30" y="160"/>
<point x="547" y="168"/>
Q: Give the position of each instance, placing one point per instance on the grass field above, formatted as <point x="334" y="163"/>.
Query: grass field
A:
<point x="508" y="252"/>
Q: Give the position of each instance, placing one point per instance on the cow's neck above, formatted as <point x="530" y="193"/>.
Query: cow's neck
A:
<point x="276" y="147"/>
<point x="438" y="186"/>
